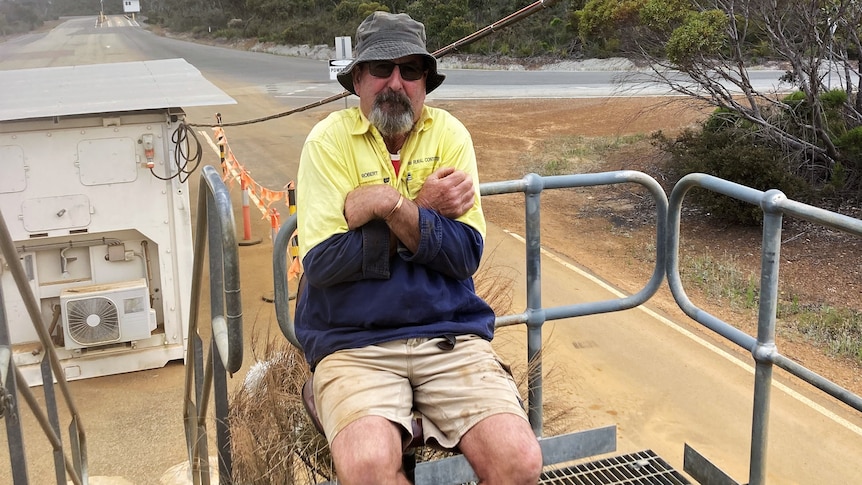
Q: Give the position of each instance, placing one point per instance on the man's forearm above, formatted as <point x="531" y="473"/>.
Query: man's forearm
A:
<point x="403" y="220"/>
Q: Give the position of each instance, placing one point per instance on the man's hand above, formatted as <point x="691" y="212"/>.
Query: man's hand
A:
<point x="369" y="202"/>
<point x="447" y="191"/>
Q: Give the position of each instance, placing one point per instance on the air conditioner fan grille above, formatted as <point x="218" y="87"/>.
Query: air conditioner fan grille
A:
<point x="93" y="320"/>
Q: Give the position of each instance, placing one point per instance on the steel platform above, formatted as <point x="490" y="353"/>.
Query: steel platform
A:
<point x="640" y="468"/>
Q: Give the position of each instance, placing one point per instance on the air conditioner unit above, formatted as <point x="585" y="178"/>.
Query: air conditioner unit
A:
<point x="107" y="314"/>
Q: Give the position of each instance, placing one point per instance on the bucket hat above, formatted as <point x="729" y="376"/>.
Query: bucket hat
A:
<point x="385" y="36"/>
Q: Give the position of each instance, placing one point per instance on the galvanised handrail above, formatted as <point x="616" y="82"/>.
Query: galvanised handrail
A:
<point x="774" y="205"/>
<point x="668" y="211"/>
<point x="535" y="315"/>
<point x="13" y="383"/>
<point x="215" y="225"/>
<point x="281" y="295"/>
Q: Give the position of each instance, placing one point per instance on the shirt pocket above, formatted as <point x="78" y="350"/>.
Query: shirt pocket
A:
<point x="415" y="177"/>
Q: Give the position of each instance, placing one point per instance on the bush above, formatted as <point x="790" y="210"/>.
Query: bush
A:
<point x="735" y="155"/>
<point x="850" y="144"/>
<point x="834" y="99"/>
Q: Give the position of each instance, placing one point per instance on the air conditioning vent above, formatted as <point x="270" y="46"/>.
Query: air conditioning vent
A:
<point x="105" y="314"/>
<point x="93" y="320"/>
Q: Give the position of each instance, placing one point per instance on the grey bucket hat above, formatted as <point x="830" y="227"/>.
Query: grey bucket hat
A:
<point x="385" y="36"/>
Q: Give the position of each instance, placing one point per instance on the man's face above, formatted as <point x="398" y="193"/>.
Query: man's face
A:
<point x="391" y="93"/>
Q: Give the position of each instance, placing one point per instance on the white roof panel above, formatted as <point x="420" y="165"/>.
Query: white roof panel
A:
<point x="105" y="88"/>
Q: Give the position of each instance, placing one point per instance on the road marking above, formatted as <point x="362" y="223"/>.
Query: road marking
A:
<point x="295" y="92"/>
<point x="723" y="353"/>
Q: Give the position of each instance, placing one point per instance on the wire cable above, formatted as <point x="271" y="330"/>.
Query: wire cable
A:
<point x="186" y="152"/>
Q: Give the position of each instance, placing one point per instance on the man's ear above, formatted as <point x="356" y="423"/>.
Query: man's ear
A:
<point x="357" y="75"/>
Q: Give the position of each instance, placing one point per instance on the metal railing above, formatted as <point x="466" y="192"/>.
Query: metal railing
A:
<point x="535" y="315"/>
<point x="13" y="385"/>
<point x="206" y="378"/>
<point x="762" y="347"/>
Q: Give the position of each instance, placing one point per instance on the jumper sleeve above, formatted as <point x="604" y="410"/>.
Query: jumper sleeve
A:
<point x="350" y="256"/>
<point x="447" y="246"/>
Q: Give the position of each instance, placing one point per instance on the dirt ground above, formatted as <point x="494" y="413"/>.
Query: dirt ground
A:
<point x="611" y="232"/>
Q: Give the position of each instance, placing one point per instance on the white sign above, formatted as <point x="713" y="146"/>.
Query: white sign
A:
<point x="131" y="6"/>
<point x="335" y="66"/>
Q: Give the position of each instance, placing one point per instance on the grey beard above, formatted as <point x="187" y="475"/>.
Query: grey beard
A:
<point x="392" y="114"/>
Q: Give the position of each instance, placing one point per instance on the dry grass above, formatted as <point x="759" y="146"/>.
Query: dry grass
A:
<point x="274" y="441"/>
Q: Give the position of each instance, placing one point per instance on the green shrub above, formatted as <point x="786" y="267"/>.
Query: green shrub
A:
<point x="733" y="155"/>
<point x="797" y="103"/>
<point x="724" y="118"/>
<point x="850" y="144"/>
<point x="834" y="99"/>
<point x="837" y="329"/>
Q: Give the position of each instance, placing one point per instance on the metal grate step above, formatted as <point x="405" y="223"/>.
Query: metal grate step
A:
<point x="640" y="468"/>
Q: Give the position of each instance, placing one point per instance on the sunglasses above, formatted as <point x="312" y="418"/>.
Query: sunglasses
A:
<point x="409" y="72"/>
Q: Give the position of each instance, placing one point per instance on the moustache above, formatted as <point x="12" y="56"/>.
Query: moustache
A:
<point x="396" y="98"/>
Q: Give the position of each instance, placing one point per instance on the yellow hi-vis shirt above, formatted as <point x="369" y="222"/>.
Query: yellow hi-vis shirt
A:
<point x="344" y="151"/>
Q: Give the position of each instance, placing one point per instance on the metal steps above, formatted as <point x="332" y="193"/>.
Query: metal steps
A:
<point x="640" y="468"/>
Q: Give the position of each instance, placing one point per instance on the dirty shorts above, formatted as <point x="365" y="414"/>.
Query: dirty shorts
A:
<point x="452" y="390"/>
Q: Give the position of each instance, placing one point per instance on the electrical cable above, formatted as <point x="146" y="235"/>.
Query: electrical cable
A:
<point x="184" y="153"/>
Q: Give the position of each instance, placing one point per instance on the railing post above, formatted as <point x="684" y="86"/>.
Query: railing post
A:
<point x="536" y="319"/>
<point x="207" y="375"/>
<point x="53" y="417"/>
<point x="769" y="263"/>
<point x="50" y="367"/>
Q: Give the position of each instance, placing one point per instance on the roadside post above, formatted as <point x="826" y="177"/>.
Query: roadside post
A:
<point x="343" y="56"/>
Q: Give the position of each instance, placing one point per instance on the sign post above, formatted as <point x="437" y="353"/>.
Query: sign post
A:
<point x="343" y="56"/>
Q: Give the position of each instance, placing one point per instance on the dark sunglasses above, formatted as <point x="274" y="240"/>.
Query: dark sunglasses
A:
<point x="383" y="69"/>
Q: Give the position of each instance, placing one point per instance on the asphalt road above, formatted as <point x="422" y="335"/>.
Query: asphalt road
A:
<point x="660" y="383"/>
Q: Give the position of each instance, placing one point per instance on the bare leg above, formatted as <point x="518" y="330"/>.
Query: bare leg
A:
<point x="368" y="451"/>
<point x="502" y="449"/>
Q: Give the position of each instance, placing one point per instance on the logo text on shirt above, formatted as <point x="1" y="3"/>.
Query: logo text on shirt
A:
<point x="417" y="161"/>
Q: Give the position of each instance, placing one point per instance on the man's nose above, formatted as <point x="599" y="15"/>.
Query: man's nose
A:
<point x="395" y="80"/>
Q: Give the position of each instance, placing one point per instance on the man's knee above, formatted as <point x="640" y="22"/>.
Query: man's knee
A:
<point x="529" y="462"/>
<point x="519" y="462"/>
<point x="503" y="449"/>
<point x="368" y="450"/>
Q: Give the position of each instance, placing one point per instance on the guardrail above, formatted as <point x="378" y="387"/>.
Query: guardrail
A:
<point x="206" y="378"/>
<point x="13" y="385"/>
<point x="762" y="347"/>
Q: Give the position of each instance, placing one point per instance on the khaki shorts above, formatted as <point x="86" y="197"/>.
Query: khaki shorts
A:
<point x="452" y="390"/>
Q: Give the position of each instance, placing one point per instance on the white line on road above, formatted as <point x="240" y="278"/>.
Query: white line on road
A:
<point x="730" y="357"/>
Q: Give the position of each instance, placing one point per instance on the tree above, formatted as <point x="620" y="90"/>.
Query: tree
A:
<point x="445" y="21"/>
<point x="353" y="12"/>
<point x="716" y="42"/>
